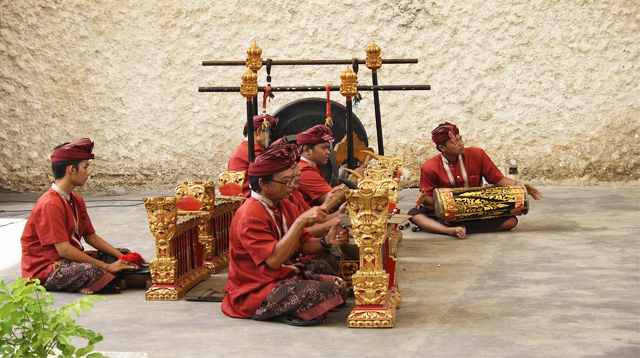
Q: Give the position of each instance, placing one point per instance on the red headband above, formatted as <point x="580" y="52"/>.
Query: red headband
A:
<point x="279" y="157"/>
<point x="315" y="135"/>
<point x="71" y="151"/>
<point x="444" y="132"/>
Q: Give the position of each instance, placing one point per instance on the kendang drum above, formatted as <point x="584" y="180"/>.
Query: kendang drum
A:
<point x="460" y="204"/>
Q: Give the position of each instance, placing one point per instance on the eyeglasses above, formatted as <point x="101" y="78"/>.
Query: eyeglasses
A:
<point x="288" y="183"/>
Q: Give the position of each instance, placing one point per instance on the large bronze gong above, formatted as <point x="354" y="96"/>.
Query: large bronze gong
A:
<point x="300" y="115"/>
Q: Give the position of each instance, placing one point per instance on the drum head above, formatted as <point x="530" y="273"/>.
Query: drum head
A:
<point x="437" y="203"/>
<point x="300" y="115"/>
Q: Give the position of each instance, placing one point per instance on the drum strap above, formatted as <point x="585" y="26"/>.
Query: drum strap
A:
<point x="450" y="175"/>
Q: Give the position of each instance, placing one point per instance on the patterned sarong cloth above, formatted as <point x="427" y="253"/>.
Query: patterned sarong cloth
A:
<point x="304" y="298"/>
<point x="71" y="276"/>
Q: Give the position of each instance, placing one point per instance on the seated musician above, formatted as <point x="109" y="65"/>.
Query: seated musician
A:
<point x="266" y="280"/>
<point x="263" y="126"/>
<point x="52" y="248"/>
<point x="316" y="149"/>
<point x="328" y="261"/>
<point x="457" y="166"/>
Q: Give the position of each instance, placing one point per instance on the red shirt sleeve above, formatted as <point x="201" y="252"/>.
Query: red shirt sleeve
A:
<point x="312" y="184"/>
<point x="489" y="170"/>
<point x="430" y="173"/>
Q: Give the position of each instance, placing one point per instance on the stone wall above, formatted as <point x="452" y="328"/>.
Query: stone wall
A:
<point x="549" y="87"/>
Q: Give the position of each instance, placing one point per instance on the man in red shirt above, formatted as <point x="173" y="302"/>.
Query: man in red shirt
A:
<point x="266" y="280"/>
<point x="52" y="248"/>
<point x="457" y="166"/>
<point x="316" y="148"/>
<point x="263" y="126"/>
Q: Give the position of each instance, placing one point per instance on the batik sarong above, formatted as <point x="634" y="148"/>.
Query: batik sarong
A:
<point x="304" y="298"/>
<point x="70" y="276"/>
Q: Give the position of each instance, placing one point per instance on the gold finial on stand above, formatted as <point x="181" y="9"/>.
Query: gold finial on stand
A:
<point x="349" y="85"/>
<point x="249" y="87"/>
<point x="254" y="61"/>
<point x="374" y="61"/>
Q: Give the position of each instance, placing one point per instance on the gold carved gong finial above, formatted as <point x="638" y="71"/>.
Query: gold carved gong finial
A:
<point x="349" y="85"/>
<point x="374" y="61"/>
<point x="254" y="61"/>
<point x="249" y="87"/>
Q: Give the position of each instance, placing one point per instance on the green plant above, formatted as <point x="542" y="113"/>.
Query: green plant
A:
<point x="30" y="328"/>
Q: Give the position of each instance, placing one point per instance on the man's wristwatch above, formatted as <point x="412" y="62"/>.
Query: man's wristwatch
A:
<point x="324" y="243"/>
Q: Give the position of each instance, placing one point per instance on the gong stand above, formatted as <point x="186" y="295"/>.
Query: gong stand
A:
<point x="348" y="88"/>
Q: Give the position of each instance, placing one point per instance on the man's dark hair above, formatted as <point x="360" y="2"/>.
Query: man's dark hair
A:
<point x="438" y="145"/>
<point x="254" y="182"/>
<point x="60" y="168"/>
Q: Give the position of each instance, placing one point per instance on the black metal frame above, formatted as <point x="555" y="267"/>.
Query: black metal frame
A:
<point x="252" y="104"/>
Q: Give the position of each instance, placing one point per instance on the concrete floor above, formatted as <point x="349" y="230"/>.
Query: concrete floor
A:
<point x="564" y="283"/>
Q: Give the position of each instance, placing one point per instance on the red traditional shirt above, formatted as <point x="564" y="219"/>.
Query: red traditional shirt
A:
<point x="477" y="165"/>
<point x="239" y="162"/>
<point x="52" y="220"/>
<point x="298" y="200"/>
<point x="313" y="184"/>
<point x="255" y="230"/>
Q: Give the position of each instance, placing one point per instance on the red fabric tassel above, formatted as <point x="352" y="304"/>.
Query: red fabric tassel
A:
<point x="132" y="257"/>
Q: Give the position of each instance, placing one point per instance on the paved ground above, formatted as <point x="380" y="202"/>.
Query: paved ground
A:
<point x="564" y="283"/>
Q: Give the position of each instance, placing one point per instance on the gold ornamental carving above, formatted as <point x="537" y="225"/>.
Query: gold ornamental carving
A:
<point x="160" y="292"/>
<point x="381" y="317"/>
<point x="249" y="87"/>
<point x="163" y="218"/>
<point x="395" y="163"/>
<point x="349" y="84"/>
<point x="254" y="61"/>
<point x="370" y="288"/>
<point x="347" y="269"/>
<point x="202" y="191"/>
<point x="368" y="209"/>
<point x="163" y="270"/>
<point x="379" y="173"/>
<point x="232" y="177"/>
<point x="218" y="264"/>
<point x="373" y="289"/>
<point x="394" y="238"/>
<point x="374" y="61"/>
<point x="381" y="179"/>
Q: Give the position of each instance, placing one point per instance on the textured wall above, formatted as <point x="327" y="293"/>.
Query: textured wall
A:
<point x="551" y="87"/>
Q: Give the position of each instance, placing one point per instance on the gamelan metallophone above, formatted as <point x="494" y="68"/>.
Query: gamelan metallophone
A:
<point x="190" y="244"/>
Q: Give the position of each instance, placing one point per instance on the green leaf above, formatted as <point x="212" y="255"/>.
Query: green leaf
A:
<point x="96" y="355"/>
<point x="4" y="296"/>
<point x="84" y="351"/>
<point x="30" y="328"/>
<point x="63" y="343"/>
<point x="7" y="309"/>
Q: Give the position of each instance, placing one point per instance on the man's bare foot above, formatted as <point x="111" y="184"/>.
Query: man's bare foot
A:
<point x="323" y="318"/>
<point x="85" y="290"/>
<point x="459" y="231"/>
